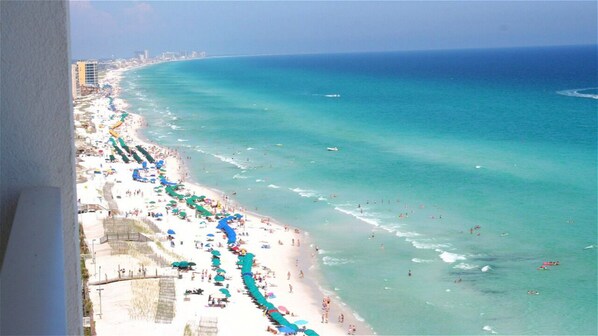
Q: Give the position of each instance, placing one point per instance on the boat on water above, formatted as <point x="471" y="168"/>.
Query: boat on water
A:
<point x="332" y="149"/>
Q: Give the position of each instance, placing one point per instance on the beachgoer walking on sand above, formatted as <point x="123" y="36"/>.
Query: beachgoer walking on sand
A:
<point x="341" y="318"/>
<point x="290" y="288"/>
<point x="289" y="276"/>
<point x="301" y="274"/>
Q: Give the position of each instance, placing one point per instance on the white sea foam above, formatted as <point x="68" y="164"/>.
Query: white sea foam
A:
<point x="407" y="234"/>
<point x="357" y="317"/>
<point x="465" y="266"/>
<point x="426" y="244"/>
<point x="174" y="127"/>
<point x="321" y="198"/>
<point x="161" y="136"/>
<point x="303" y="192"/>
<point x="331" y="261"/>
<point x="182" y="140"/>
<point x="449" y="257"/>
<point x="239" y="176"/>
<point x="421" y="261"/>
<point x="273" y="186"/>
<point x="578" y="93"/>
<point x="332" y="95"/>
<point x="229" y="160"/>
<point x="260" y="180"/>
<point x="249" y="148"/>
<point x="361" y="217"/>
<point x="486" y="268"/>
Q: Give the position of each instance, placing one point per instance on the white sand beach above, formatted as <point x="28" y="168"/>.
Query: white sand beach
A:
<point x="126" y="224"/>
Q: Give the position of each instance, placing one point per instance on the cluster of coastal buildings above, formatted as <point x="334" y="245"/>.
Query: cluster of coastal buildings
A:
<point x="84" y="73"/>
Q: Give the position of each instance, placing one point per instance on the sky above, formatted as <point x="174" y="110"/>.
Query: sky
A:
<point x="105" y="29"/>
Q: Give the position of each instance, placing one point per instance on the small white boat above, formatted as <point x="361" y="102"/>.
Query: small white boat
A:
<point x="332" y="149"/>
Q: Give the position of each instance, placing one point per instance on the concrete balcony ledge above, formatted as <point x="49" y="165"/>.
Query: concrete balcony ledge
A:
<point x="32" y="280"/>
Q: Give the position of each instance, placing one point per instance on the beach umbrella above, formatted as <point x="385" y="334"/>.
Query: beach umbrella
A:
<point x="220" y="270"/>
<point x="224" y="291"/>
<point x="216" y="253"/>
<point x="152" y="202"/>
<point x="183" y="264"/>
<point x="170" y="231"/>
<point x="219" y="278"/>
<point x="215" y="262"/>
<point x="210" y="235"/>
<point x="301" y="322"/>
<point x="192" y="263"/>
<point x="310" y="332"/>
<point x="285" y="329"/>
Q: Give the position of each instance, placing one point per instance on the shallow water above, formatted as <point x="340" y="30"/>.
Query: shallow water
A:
<point x="431" y="145"/>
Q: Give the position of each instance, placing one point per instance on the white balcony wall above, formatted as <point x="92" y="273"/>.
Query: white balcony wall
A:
<point x="36" y="127"/>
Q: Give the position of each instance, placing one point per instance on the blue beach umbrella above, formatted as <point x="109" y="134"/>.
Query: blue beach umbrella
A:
<point x="285" y="329"/>
<point x="170" y="231"/>
<point x="301" y="322"/>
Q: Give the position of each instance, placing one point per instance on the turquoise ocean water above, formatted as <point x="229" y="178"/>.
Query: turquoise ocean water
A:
<point x="431" y="145"/>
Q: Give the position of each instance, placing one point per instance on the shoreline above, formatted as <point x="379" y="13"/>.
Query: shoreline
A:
<point x="309" y="287"/>
<point x="306" y="258"/>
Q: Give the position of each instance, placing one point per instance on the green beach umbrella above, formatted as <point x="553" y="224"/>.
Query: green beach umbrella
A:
<point x="220" y="270"/>
<point x="219" y="278"/>
<point x="175" y="264"/>
<point x="152" y="202"/>
<point x="224" y="291"/>
<point x="216" y="253"/>
<point x="216" y="262"/>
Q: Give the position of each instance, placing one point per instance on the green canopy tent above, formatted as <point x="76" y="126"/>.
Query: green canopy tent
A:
<point x="136" y="157"/>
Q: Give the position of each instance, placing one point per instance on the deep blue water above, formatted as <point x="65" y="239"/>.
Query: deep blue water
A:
<point x="431" y="145"/>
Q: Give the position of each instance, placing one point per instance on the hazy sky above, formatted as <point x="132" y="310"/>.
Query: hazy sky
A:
<point x="106" y="28"/>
